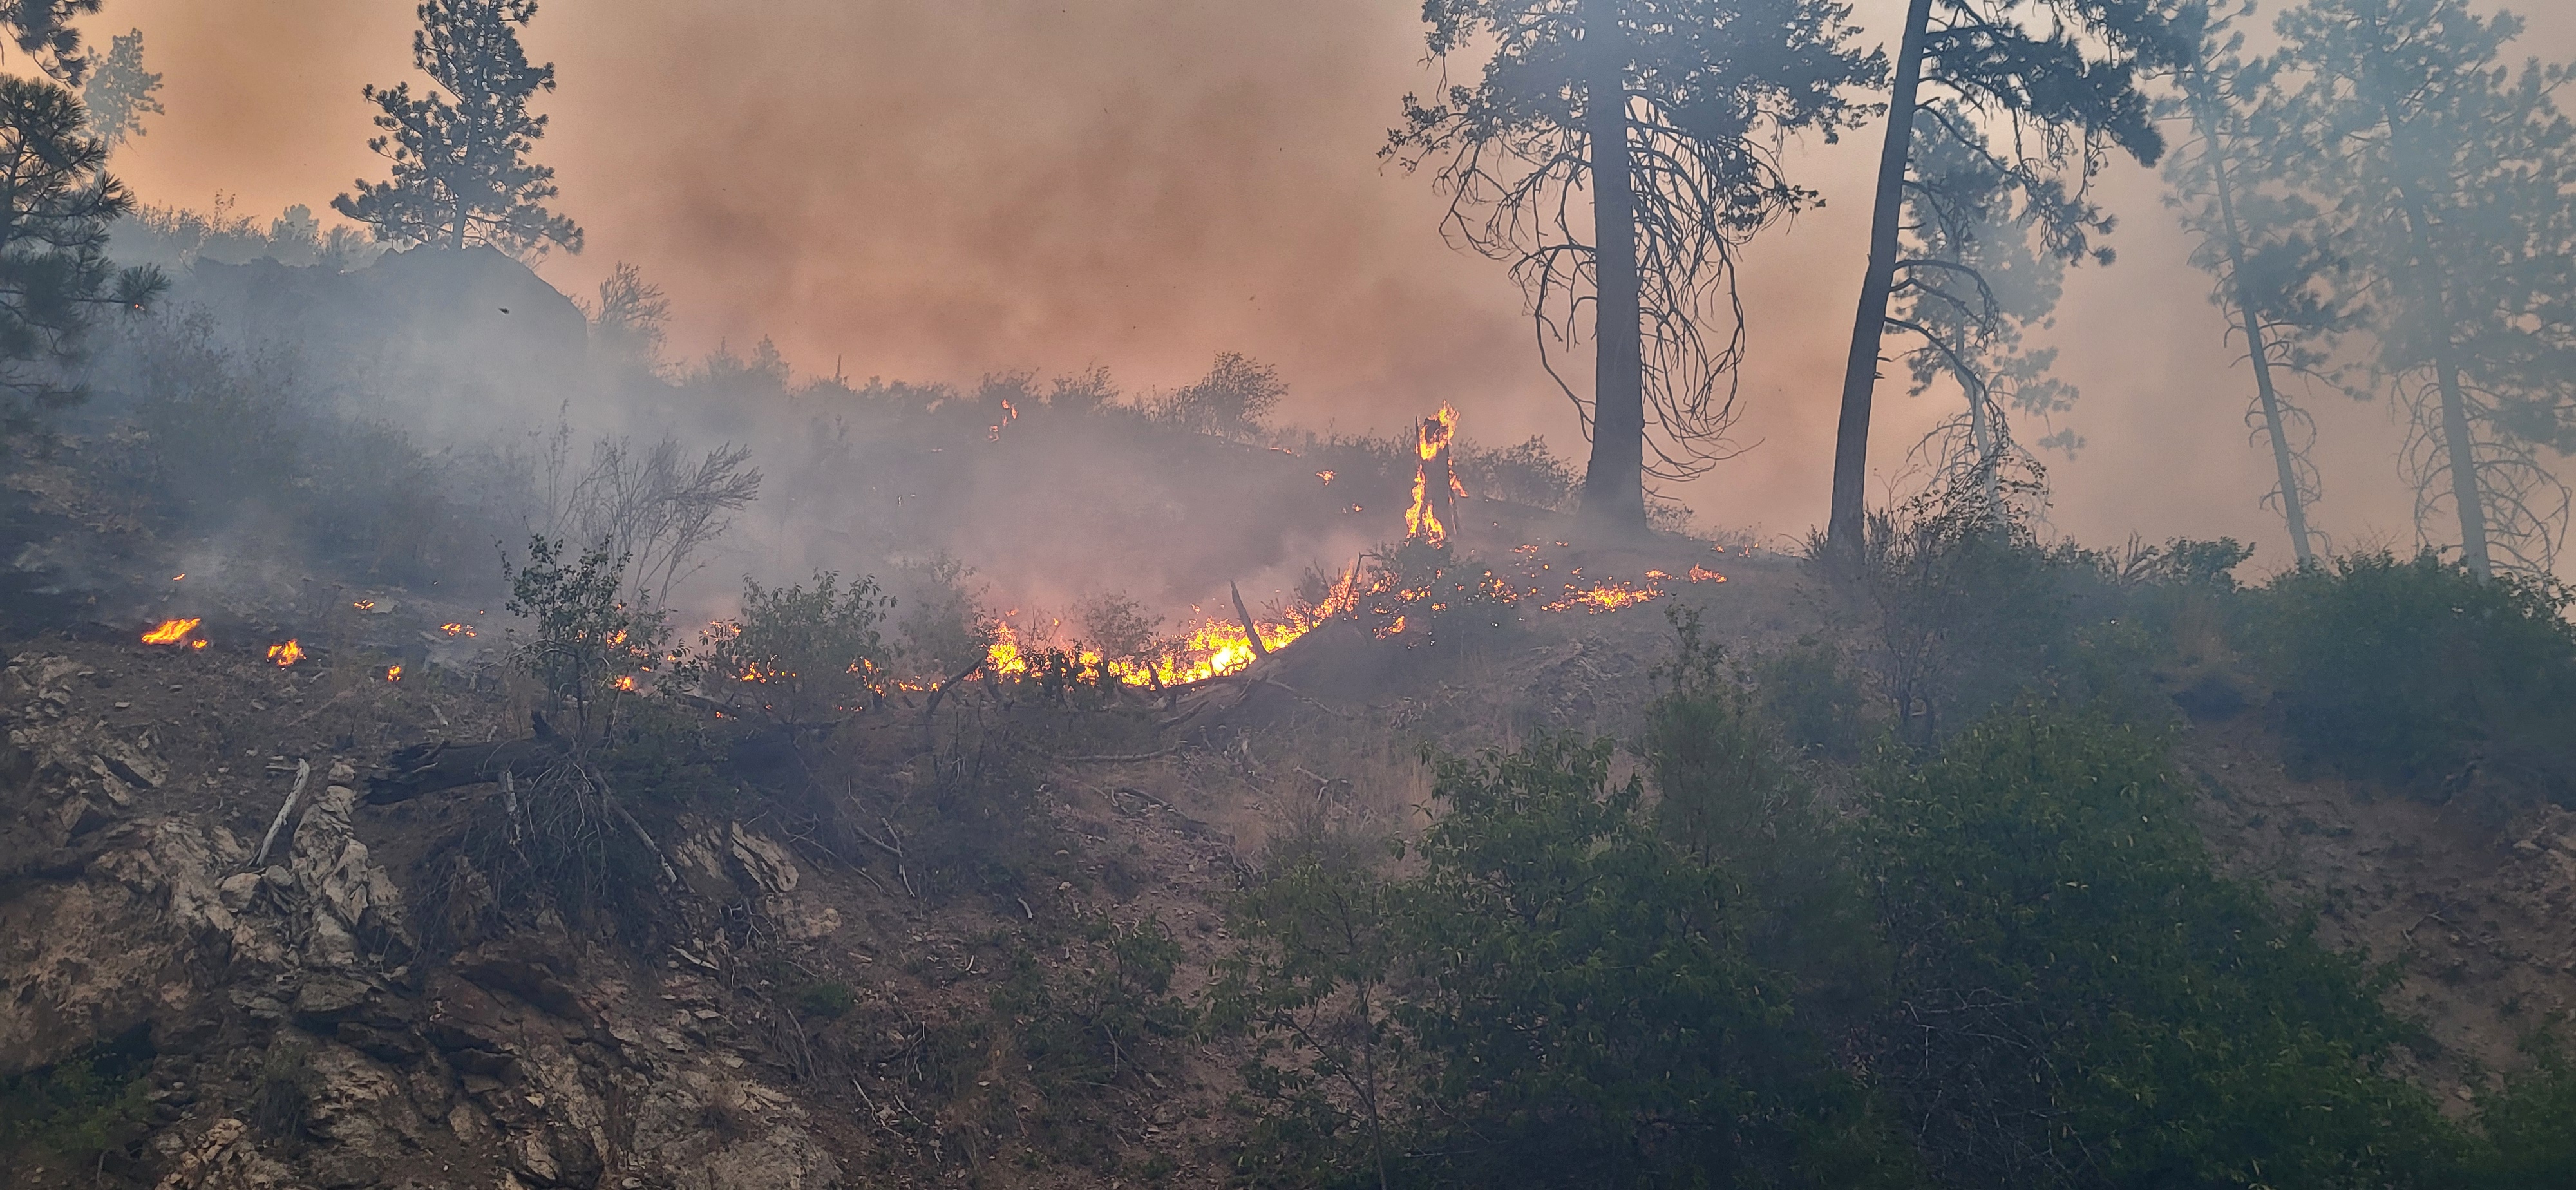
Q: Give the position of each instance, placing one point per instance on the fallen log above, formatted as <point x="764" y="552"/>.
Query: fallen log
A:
<point x="443" y="764"/>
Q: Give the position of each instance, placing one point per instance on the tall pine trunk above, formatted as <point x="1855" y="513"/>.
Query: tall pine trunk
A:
<point x="1614" y="496"/>
<point x="2293" y="509"/>
<point x="2467" y="493"/>
<point x="1860" y="368"/>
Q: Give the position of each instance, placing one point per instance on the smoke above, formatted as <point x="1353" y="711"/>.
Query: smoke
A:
<point x="939" y="192"/>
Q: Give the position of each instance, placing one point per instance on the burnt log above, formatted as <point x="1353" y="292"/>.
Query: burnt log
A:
<point x="444" y="764"/>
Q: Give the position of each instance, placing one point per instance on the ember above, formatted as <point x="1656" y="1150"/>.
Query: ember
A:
<point x="456" y="630"/>
<point x="286" y="654"/>
<point x="1702" y="574"/>
<point x="1608" y="597"/>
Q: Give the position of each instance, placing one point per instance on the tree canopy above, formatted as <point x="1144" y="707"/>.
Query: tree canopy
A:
<point x="2005" y="110"/>
<point x="1617" y="154"/>
<point x="461" y="174"/>
<point x="2444" y="178"/>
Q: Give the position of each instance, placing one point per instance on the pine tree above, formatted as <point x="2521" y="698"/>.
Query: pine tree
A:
<point x="2035" y="93"/>
<point x="461" y="174"/>
<point x="120" y="92"/>
<point x="2447" y="178"/>
<point x="43" y="30"/>
<point x="1669" y="113"/>
<point x="2275" y="282"/>
<point x="56" y="202"/>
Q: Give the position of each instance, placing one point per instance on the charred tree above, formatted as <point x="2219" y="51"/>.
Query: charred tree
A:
<point x="2058" y="94"/>
<point x="2447" y="177"/>
<point x="461" y="174"/>
<point x="1617" y="154"/>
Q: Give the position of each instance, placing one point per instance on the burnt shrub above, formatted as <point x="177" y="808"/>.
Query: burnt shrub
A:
<point x="2420" y="674"/>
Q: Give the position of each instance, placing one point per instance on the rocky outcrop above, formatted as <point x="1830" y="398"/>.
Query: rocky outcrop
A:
<point x="303" y="1039"/>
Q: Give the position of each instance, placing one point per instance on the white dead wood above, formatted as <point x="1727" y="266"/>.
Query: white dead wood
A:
<point x="303" y="773"/>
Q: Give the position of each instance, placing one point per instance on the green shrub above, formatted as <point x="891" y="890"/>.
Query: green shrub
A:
<point x="76" y="1107"/>
<point x="1727" y="795"/>
<point x="828" y="1001"/>
<point x="2080" y="999"/>
<point x="2420" y="674"/>
<point x="2529" y="1125"/>
<point x="1967" y="610"/>
<point x="1095" y="1032"/>
<point x="801" y="654"/>
<point x="583" y="641"/>
<point x="1809" y="689"/>
<point x="1574" y="1004"/>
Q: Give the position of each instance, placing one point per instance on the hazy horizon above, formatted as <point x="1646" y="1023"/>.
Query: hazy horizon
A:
<point x="937" y="193"/>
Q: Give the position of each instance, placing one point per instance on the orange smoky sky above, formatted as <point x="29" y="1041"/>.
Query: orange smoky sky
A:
<point x="936" y="191"/>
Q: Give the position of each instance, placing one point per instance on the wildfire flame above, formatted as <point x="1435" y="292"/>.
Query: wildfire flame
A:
<point x="364" y="605"/>
<point x="393" y="673"/>
<point x="1702" y="574"/>
<point x="626" y="683"/>
<point x="286" y="654"/>
<point x="172" y="632"/>
<point x="1433" y="497"/>
<point x="456" y="630"/>
<point x="1607" y="597"/>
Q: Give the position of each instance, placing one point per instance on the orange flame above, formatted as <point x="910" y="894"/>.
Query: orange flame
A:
<point x="393" y="673"/>
<point x="1702" y="574"/>
<point x="1432" y="437"/>
<point x="364" y="605"/>
<point x="626" y="683"/>
<point x="456" y="630"/>
<point x="1607" y="597"/>
<point x="286" y="654"/>
<point x="171" y="632"/>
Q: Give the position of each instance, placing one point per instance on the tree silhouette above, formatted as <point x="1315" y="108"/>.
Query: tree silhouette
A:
<point x="56" y="202"/>
<point x="1669" y="114"/>
<point x="461" y="173"/>
<point x="43" y="30"/>
<point x="2447" y="178"/>
<point x="1975" y="274"/>
<point x="120" y="92"/>
<point x="2276" y="283"/>
<point x="2033" y="92"/>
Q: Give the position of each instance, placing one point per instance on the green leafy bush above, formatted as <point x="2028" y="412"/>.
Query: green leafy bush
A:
<point x="2080" y="999"/>
<point x="1809" y="689"/>
<point x="1096" y="1033"/>
<point x="584" y="642"/>
<point x="1560" y="996"/>
<point x="1727" y="795"/>
<point x="2419" y="673"/>
<point x="78" y="1106"/>
<point x="1967" y="611"/>
<point x="2529" y="1125"/>
<point x="829" y="1000"/>
<point x="801" y="654"/>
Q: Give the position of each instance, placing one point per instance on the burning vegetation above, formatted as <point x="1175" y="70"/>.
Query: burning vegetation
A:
<point x="1037" y="783"/>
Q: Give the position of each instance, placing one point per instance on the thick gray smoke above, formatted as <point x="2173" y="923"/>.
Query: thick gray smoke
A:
<point x="938" y="192"/>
